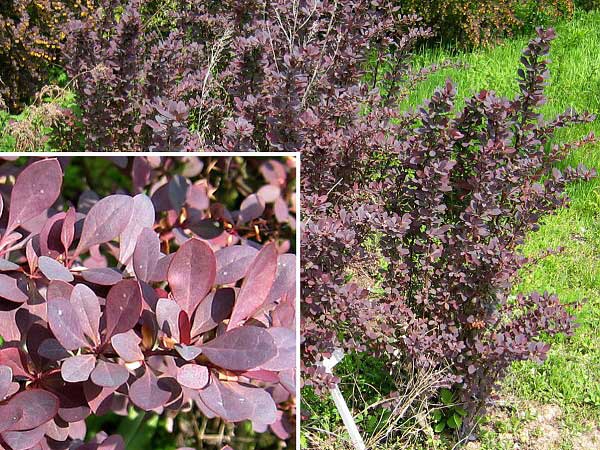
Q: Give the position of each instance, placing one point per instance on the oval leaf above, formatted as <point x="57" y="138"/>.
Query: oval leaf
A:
<point x="53" y="270"/>
<point x="252" y="207"/>
<point x="233" y="263"/>
<point x="192" y="274"/>
<point x="105" y="221"/>
<point x="146" y="254"/>
<point x="65" y="325"/>
<point x="104" y="276"/>
<point x="10" y="290"/>
<point x="142" y="217"/>
<point x="146" y="392"/>
<point x="193" y="376"/>
<point x="36" y="189"/>
<point x="77" y="368"/>
<point x="256" y="285"/>
<point x="110" y="375"/>
<point x="87" y="307"/>
<point x="6" y="375"/>
<point x="37" y="407"/>
<point x="241" y="348"/>
<point x="123" y="307"/>
<point x="127" y="346"/>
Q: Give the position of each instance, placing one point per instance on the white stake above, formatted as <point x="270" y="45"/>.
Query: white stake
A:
<point x="340" y="402"/>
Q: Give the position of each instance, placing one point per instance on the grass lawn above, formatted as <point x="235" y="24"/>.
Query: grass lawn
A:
<point x="555" y="405"/>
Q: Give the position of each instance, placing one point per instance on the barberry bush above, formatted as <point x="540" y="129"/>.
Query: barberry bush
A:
<point x="159" y="298"/>
<point x="232" y="76"/>
<point x="434" y="209"/>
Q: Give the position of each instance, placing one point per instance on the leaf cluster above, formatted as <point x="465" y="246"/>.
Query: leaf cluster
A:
<point x="156" y="299"/>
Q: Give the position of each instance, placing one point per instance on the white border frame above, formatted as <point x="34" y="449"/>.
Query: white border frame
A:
<point x="222" y="154"/>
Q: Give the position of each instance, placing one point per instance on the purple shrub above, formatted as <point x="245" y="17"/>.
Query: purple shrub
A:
<point x="447" y="196"/>
<point x="232" y="76"/>
<point x="161" y="303"/>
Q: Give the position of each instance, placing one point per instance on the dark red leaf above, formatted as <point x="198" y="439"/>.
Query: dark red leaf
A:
<point x="256" y="285"/>
<point x="192" y="274"/>
<point x="242" y="348"/>
<point x="36" y="189"/>
<point x="123" y="307"/>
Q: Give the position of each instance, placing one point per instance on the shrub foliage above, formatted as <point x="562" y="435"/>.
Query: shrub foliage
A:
<point x="187" y="309"/>
<point x="254" y="75"/>
<point x="447" y="195"/>
<point x="31" y="33"/>
<point x="473" y="23"/>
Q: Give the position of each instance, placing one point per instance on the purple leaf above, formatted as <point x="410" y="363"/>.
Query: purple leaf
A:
<point x="167" y="316"/>
<point x="6" y="265"/>
<point x="52" y="349"/>
<point x="146" y="392"/>
<point x="256" y="285"/>
<point x="285" y="279"/>
<point x="146" y="254"/>
<point x="127" y="346"/>
<point x="207" y="228"/>
<point x="110" y="375"/>
<point x="188" y="352"/>
<point x="9" y="417"/>
<point x="193" y="376"/>
<point x="32" y="257"/>
<point x="10" y="290"/>
<point x="251" y="208"/>
<point x="87" y="307"/>
<point x="269" y="193"/>
<point x="285" y="342"/>
<point x="37" y="407"/>
<point x="56" y="431"/>
<point x="98" y="398"/>
<point x="65" y="325"/>
<point x="185" y="328"/>
<point x="192" y="274"/>
<point x="265" y="410"/>
<point x="162" y="267"/>
<point x="281" y="210"/>
<point x="77" y="368"/>
<point x="214" y="309"/>
<point x="53" y="270"/>
<point x="177" y="188"/>
<point x="6" y="375"/>
<point x="114" y="442"/>
<point x="67" y="233"/>
<point x="225" y="402"/>
<point x="36" y="189"/>
<point x="23" y="440"/>
<point x="104" y="276"/>
<point x="123" y="307"/>
<point x="105" y="221"/>
<point x="58" y="290"/>
<point x="142" y="217"/>
<point x="197" y="197"/>
<point x="233" y="263"/>
<point x="241" y="348"/>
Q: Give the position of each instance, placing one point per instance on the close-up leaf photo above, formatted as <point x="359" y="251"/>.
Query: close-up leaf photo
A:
<point x="352" y="224"/>
<point x="148" y="302"/>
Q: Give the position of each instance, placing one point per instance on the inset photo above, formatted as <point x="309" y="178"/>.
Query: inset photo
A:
<point x="148" y="302"/>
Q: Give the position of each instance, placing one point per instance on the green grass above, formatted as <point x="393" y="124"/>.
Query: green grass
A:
<point x="571" y="375"/>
